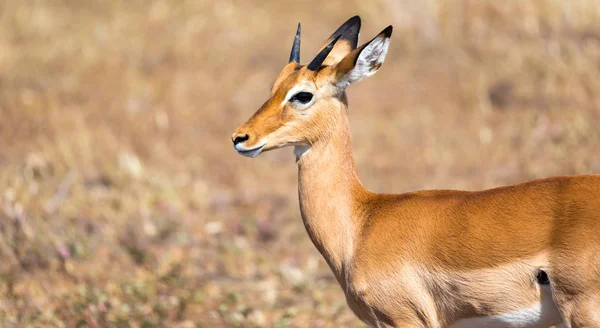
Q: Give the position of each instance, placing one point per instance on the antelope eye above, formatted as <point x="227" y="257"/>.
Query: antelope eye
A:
<point x="302" y="97"/>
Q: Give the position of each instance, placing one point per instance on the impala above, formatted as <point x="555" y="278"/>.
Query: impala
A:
<point x="526" y="255"/>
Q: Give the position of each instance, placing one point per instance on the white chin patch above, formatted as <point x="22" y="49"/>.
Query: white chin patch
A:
<point x="249" y="152"/>
<point x="300" y="150"/>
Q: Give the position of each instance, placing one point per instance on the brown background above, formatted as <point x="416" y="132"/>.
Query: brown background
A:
<point x="124" y="204"/>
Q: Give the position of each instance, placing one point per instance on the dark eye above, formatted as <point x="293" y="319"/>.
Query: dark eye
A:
<point x="302" y="97"/>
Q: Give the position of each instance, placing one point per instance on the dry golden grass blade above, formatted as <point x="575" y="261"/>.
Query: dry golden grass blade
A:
<point x="115" y="120"/>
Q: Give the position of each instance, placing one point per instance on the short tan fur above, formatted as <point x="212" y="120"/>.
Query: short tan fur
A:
<point x="439" y="258"/>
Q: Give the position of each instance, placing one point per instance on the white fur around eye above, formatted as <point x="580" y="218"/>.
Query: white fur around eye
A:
<point x="368" y="62"/>
<point x="301" y="106"/>
<point x="297" y="105"/>
<point x="293" y="91"/>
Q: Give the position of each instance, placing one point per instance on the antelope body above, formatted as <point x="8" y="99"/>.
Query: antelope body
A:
<point x="526" y="255"/>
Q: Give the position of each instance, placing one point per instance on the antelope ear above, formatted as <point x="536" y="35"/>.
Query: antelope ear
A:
<point x="348" y="41"/>
<point x="364" y="61"/>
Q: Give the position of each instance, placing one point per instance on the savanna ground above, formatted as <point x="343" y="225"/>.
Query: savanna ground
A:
<point x="124" y="204"/>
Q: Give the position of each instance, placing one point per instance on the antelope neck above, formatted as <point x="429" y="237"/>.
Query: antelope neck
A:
<point x="329" y="191"/>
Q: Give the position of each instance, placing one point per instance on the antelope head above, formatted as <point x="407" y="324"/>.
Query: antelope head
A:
<point x="305" y="100"/>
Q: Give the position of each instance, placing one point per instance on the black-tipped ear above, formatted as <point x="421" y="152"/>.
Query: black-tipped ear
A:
<point x="387" y="32"/>
<point x="348" y="40"/>
<point x="349" y="32"/>
<point x="295" y="54"/>
<point x="316" y="63"/>
<point x="363" y="61"/>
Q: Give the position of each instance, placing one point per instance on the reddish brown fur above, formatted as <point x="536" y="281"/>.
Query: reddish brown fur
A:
<point x="431" y="258"/>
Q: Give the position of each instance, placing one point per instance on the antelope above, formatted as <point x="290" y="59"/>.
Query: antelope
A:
<point x="525" y="255"/>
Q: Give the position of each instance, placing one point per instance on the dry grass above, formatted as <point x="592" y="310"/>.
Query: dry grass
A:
<point x="123" y="203"/>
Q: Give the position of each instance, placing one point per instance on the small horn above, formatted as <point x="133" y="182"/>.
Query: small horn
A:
<point x="316" y="63"/>
<point x="295" y="55"/>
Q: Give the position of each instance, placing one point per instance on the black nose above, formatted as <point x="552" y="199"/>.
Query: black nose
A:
<point x="240" y="138"/>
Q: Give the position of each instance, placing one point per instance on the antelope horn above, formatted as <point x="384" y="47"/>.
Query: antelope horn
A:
<point x="295" y="55"/>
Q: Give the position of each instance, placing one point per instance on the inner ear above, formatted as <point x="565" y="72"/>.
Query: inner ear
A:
<point x="364" y="61"/>
<point x="348" y="40"/>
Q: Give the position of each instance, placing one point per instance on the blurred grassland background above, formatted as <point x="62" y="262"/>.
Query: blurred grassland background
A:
<point x="123" y="203"/>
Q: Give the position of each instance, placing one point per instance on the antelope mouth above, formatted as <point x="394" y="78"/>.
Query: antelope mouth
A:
<point x="253" y="152"/>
